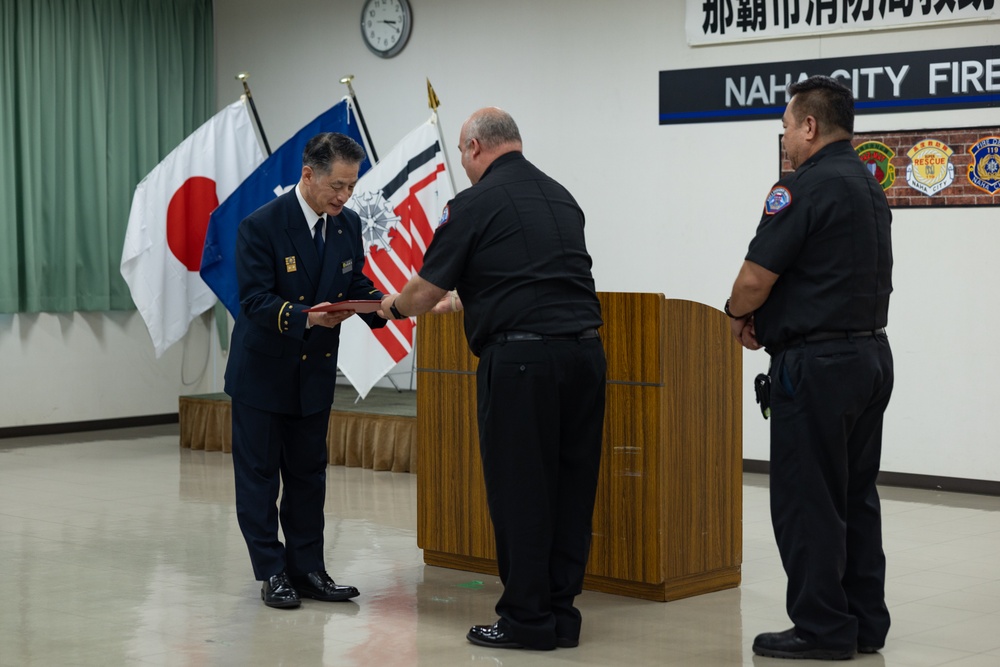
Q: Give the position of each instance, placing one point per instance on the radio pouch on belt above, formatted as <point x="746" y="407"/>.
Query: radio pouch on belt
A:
<point x="762" y="390"/>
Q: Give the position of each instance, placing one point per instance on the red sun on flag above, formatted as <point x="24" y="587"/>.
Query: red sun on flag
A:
<point x="187" y="219"/>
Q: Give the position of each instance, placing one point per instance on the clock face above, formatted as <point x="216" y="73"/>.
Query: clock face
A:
<point x="385" y="26"/>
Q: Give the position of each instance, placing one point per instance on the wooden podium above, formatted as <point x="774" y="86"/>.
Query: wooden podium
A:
<point x="668" y="517"/>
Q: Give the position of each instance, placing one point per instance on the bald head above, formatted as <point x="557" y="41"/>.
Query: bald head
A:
<point x="494" y="128"/>
<point x="486" y="135"/>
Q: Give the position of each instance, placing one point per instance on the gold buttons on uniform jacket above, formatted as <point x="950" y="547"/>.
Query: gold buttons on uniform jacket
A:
<point x="303" y="357"/>
<point x="302" y="298"/>
<point x="328" y="354"/>
<point x="283" y="324"/>
<point x="340" y="231"/>
<point x="340" y="295"/>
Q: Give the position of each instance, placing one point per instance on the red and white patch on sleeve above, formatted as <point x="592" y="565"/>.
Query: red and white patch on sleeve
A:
<point x="777" y="199"/>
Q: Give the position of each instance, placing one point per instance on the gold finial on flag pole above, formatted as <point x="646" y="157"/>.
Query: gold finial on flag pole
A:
<point x="432" y="99"/>
<point x="347" y="81"/>
<point x="433" y="102"/>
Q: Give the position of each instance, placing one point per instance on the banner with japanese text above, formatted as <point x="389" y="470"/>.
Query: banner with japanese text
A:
<point x="721" y="21"/>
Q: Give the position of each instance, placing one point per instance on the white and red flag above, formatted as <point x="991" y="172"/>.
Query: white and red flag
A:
<point x="400" y="202"/>
<point x="169" y="217"/>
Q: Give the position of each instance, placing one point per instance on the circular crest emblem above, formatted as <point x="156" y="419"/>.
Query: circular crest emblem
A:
<point x="877" y="156"/>
<point x="930" y="170"/>
<point x="984" y="172"/>
<point x="377" y="218"/>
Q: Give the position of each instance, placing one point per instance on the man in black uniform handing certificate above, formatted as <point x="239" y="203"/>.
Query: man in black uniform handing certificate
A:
<point x="814" y="291"/>
<point x="513" y="247"/>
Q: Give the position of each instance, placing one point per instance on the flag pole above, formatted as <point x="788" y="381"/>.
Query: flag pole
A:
<point x="433" y="102"/>
<point x="219" y="312"/>
<point x="364" y="126"/>
<point x="242" y="77"/>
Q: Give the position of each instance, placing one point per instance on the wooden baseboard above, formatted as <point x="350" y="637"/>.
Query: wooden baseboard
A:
<point x="704" y="582"/>
<point x="981" y="487"/>
<point x="85" y="426"/>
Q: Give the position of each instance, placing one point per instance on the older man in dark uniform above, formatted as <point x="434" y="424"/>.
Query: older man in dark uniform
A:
<point x="513" y="246"/>
<point x="814" y="290"/>
<point x="302" y="249"/>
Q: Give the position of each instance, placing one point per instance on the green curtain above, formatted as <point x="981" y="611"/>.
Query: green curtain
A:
<point x="93" y="94"/>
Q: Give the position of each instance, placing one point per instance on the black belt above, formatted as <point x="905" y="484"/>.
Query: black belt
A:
<point x="511" y="336"/>
<point x="821" y="336"/>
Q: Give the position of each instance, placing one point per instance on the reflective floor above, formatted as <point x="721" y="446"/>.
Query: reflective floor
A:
<point x="120" y="548"/>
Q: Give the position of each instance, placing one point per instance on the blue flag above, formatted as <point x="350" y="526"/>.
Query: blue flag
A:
<point x="275" y="176"/>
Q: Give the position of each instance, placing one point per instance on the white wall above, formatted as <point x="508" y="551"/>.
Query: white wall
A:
<point x="75" y="367"/>
<point x="670" y="209"/>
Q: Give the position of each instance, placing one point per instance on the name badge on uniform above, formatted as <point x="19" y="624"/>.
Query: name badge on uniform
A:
<point x="347" y="266"/>
<point x="290" y="266"/>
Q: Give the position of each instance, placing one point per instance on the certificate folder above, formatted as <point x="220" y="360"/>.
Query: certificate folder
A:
<point x="357" y="305"/>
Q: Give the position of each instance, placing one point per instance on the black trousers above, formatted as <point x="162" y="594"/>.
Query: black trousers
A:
<point x="827" y="404"/>
<point x="541" y="419"/>
<point x="272" y="451"/>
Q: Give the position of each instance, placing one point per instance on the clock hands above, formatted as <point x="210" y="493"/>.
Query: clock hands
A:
<point x="392" y="23"/>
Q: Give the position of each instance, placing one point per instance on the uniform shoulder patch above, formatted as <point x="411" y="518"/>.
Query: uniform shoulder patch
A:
<point x="444" y="216"/>
<point x="778" y="198"/>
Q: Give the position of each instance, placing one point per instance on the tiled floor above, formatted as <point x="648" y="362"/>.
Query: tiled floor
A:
<point x="120" y="548"/>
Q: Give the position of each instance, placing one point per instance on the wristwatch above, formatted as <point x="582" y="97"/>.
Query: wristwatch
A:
<point x="396" y="315"/>
<point x="730" y="313"/>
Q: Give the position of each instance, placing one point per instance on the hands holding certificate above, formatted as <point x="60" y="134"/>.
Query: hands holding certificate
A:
<point x="328" y="314"/>
<point x="328" y="318"/>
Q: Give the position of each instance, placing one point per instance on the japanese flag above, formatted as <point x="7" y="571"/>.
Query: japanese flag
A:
<point x="169" y="217"/>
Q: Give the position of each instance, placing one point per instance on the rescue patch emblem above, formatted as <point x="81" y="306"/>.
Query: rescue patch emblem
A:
<point x="444" y="216"/>
<point x="290" y="264"/>
<point x="930" y="170"/>
<point x="984" y="172"/>
<point x="778" y="198"/>
<point x="876" y="156"/>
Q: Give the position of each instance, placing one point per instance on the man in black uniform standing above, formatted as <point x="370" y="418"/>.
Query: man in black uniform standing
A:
<point x="814" y="290"/>
<point x="303" y="248"/>
<point x="513" y="246"/>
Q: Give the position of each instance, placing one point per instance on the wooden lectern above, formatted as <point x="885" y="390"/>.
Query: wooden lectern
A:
<point x="668" y="517"/>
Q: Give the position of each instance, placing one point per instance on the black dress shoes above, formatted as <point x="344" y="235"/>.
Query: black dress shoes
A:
<point x="319" y="586"/>
<point x="496" y="636"/>
<point x="277" y="592"/>
<point x="789" y="644"/>
<point x="493" y="636"/>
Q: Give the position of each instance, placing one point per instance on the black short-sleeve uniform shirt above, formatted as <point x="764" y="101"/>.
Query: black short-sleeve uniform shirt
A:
<point x="513" y="246"/>
<point x="825" y="232"/>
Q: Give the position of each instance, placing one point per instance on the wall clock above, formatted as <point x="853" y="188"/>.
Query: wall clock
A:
<point x="385" y="26"/>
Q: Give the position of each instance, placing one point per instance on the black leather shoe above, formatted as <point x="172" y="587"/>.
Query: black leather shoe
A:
<point x="493" y="636"/>
<point x="277" y="592"/>
<point x="567" y="642"/>
<point x="789" y="644"/>
<point x="319" y="586"/>
<point x="862" y="648"/>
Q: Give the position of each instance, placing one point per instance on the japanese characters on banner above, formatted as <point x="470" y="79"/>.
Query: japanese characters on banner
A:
<point x="720" y="21"/>
<point x="944" y="167"/>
